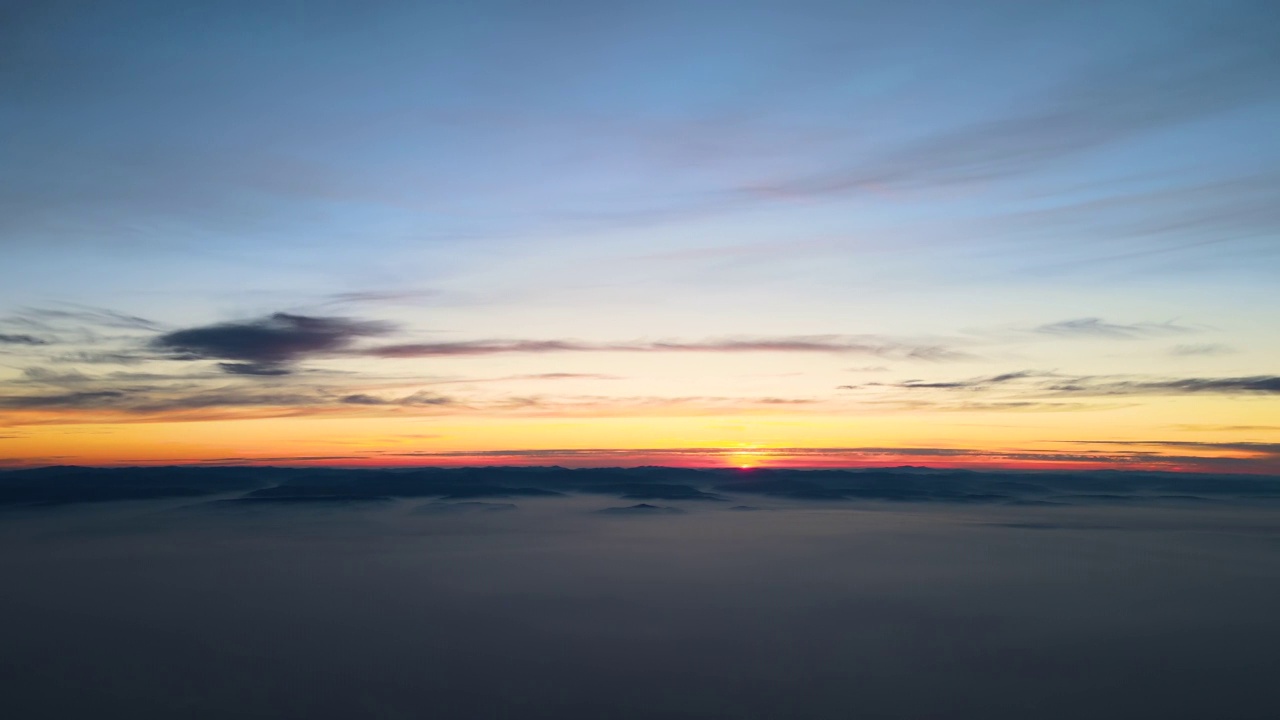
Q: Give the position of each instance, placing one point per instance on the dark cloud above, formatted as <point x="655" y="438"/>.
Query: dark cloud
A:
<point x="1099" y="328"/>
<point x="267" y="346"/>
<point x="800" y="344"/>
<point x="6" y="339"/>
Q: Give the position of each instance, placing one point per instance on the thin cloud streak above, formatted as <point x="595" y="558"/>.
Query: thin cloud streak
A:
<point x="798" y="344"/>
<point x="1092" y="327"/>
<point x="1049" y="384"/>
<point x="855" y="457"/>
<point x="6" y="339"/>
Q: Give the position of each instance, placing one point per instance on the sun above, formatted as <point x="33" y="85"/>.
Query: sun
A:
<point x="747" y="457"/>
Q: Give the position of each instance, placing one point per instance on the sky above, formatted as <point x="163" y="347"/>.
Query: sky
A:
<point x="754" y="234"/>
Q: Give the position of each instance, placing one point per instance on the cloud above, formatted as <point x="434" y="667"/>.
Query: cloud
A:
<point x="1261" y="449"/>
<point x="45" y="376"/>
<point x="101" y="358"/>
<point x="85" y="399"/>
<point x="76" y="335"/>
<point x="1225" y="428"/>
<point x="21" y="340"/>
<point x="158" y="402"/>
<point x="1201" y="350"/>
<point x="416" y="399"/>
<point x="253" y="369"/>
<point x="795" y="344"/>
<point x="1040" y="384"/>
<point x="1256" y="384"/>
<point x="1226" y="62"/>
<point x="378" y="297"/>
<point x="52" y="318"/>
<point x="561" y="376"/>
<point x="1098" y="328"/>
<point x="1248" y="457"/>
<point x="623" y="406"/>
<point x="975" y="383"/>
<point x="161" y="403"/>
<point x="361" y="399"/>
<point x="267" y="346"/>
<point x="145" y="397"/>
<point x="978" y="383"/>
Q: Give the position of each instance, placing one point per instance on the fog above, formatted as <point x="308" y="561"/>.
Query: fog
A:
<point x="544" y="607"/>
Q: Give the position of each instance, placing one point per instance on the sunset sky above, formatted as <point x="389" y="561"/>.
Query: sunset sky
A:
<point x="752" y="234"/>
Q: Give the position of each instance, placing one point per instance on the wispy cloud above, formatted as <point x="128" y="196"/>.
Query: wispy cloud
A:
<point x="980" y="383"/>
<point x="1048" y="384"/>
<point x="797" y="344"/>
<point x="1092" y="327"/>
<point x="6" y="339"/>
<point x="1201" y="350"/>
<point x="378" y="297"/>
<point x="1251" y="385"/>
<point x="1217" y="459"/>
<point x="1226" y="62"/>
<point x="102" y="358"/>
<point x="73" y="397"/>
<point x="1261" y="449"/>
<point x="416" y="399"/>
<point x="56" y="318"/>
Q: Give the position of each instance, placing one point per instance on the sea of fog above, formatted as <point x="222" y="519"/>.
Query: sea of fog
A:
<point x="544" y="607"/>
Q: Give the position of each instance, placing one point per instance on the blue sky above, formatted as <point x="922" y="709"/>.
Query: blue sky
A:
<point x="926" y="173"/>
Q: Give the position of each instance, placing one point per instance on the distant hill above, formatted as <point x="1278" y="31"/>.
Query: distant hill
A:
<point x="64" y="485"/>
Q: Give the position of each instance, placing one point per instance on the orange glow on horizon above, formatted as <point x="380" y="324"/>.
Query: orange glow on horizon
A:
<point x="333" y="439"/>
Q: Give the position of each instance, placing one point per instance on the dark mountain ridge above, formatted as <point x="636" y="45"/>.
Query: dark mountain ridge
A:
<point x="63" y="485"/>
